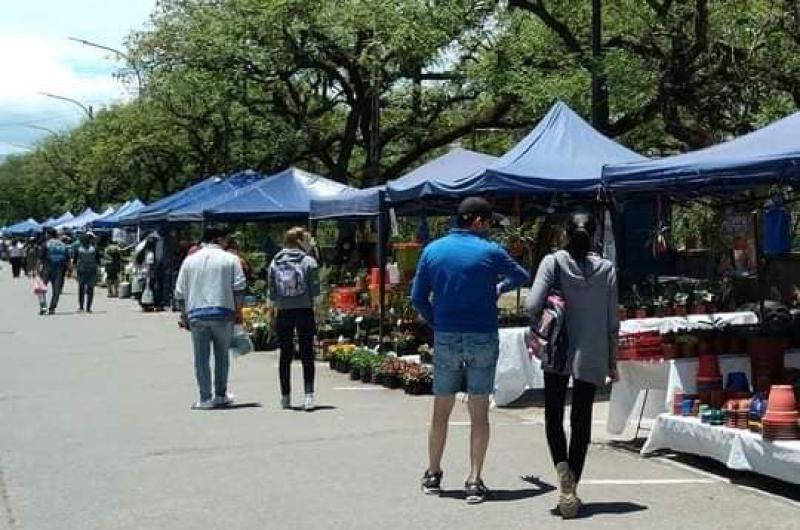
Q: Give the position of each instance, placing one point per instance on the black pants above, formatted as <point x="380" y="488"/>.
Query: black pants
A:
<point x="555" y="395"/>
<point x="287" y="322"/>
<point x="85" y="294"/>
<point x="16" y="266"/>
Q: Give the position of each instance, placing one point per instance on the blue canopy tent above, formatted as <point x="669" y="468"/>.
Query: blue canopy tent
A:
<point x="563" y="154"/>
<point x="768" y="155"/>
<point x="53" y="222"/>
<point x="224" y="191"/>
<point x="23" y="228"/>
<point x="439" y="178"/>
<point x="156" y="212"/>
<point x="282" y="196"/>
<point x="112" y="220"/>
<point x="350" y="204"/>
<point x="79" y="222"/>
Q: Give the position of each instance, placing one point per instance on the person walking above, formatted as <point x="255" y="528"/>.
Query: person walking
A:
<point x="588" y="285"/>
<point x="16" y="254"/>
<point x="31" y="256"/>
<point x="209" y="282"/>
<point x="113" y="268"/>
<point x="293" y="285"/>
<point x="54" y="263"/>
<point x="466" y="274"/>
<point x="86" y="260"/>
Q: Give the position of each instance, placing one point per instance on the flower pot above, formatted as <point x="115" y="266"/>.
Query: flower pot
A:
<point x="708" y="367"/>
<point x="355" y="374"/>
<point x="782" y="400"/>
<point x="699" y="308"/>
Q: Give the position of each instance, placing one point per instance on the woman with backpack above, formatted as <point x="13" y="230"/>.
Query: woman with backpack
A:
<point x="293" y="285"/>
<point x="577" y="290"/>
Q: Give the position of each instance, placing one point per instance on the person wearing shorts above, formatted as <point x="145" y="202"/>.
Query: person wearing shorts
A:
<point x="465" y="273"/>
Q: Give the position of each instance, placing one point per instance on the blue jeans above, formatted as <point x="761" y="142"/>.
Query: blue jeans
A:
<point x="460" y="356"/>
<point x="204" y="333"/>
<point x="55" y="275"/>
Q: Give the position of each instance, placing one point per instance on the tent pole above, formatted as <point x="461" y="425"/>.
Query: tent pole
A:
<point x="382" y="226"/>
<point x="759" y="267"/>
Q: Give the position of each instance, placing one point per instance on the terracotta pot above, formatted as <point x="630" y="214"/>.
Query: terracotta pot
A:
<point x="782" y="400"/>
<point x="708" y="367"/>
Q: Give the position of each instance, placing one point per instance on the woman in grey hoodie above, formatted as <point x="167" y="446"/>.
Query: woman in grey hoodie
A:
<point x="292" y="288"/>
<point x="588" y="284"/>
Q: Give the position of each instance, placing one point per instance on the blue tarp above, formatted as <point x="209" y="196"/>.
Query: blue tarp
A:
<point x="438" y="178"/>
<point x="220" y="193"/>
<point x="285" y="195"/>
<point x="50" y="223"/>
<point x="770" y="154"/>
<point x="351" y="203"/>
<point x="157" y="211"/>
<point x="112" y="220"/>
<point x="563" y="153"/>
<point x="23" y="228"/>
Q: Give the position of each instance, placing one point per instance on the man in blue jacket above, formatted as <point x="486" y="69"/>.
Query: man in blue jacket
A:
<point x="465" y="273"/>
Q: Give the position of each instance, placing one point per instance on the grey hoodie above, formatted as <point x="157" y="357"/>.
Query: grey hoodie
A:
<point x="309" y="265"/>
<point x="590" y="290"/>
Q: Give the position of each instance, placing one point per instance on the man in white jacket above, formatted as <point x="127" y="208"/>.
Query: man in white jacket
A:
<point x="208" y="283"/>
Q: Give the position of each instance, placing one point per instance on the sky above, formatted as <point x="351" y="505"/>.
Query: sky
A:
<point x="36" y="56"/>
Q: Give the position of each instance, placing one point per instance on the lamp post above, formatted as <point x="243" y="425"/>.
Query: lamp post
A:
<point x="122" y="55"/>
<point x="599" y="95"/>
<point x="85" y="108"/>
<point x="40" y="128"/>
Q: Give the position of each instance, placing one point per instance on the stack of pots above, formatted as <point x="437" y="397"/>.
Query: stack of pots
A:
<point x="737" y="413"/>
<point x="780" y="422"/>
<point x="758" y="407"/>
<point x="709" y="380"/>
<point x="766" y="361"/>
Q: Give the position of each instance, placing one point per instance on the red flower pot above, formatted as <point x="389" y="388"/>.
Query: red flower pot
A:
<point x="708" y="367"/>
<point x="781" y="399"/>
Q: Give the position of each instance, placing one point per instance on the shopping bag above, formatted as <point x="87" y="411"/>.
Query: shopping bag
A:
<point x="39" y="287"/>
<point x="240" y="342"/>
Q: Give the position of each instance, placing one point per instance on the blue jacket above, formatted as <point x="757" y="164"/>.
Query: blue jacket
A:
<point x="463" y="270"/>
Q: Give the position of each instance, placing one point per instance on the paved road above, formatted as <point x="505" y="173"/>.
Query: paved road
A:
<point x="96" y="433"/>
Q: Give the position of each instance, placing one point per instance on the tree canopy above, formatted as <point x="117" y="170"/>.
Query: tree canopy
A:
<point x="364" y="90"/>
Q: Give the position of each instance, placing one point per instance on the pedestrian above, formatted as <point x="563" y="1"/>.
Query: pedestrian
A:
<point x="54" y="263"/>
<point x="292" y="283"/>
<point x="209" y="282"/>
<point x="31" y="256"/>
<point x="466" y="274"/>
<point x="86" y="260"/>
<point x="588" y="285"/>
<point x="113" y="268"/>
<point x="16" y="254"/>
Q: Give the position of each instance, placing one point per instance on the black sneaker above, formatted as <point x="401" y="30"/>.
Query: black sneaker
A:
<point x="475" y="492"/>
<point x="432" y="483"/>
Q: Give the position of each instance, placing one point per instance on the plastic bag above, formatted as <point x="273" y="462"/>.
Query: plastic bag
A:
<point x="39" y="287"/>
<point x="240" y="342"/>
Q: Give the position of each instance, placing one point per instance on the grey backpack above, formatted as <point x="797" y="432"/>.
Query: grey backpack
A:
<point x="289" y="278"/>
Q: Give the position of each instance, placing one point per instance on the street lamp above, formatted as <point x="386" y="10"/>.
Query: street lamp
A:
<point x="40" y="128"/>
<point x="122" y="55"/>
<point x="84" y="108"/>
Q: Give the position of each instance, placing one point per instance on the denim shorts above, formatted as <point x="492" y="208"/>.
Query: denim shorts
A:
<point x="457" y="356"/>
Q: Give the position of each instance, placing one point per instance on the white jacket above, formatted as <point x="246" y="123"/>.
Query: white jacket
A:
<point x="208" y="282"/>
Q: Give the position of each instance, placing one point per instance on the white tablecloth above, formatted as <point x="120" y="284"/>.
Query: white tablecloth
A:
<point x="663" y="379"/>
<point x="516" y="370"/>
<point x="737" y="449"/>
<point x="668" y="324"/>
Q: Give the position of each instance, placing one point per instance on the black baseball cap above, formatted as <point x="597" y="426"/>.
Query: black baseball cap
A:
<point x="478" y="207"/>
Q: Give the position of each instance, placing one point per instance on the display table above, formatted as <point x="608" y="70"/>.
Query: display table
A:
<point x="737" y="449"/>
<point x="663" y="378"/>
<point x="517" y="371"/>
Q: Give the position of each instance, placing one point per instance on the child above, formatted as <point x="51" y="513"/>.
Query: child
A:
<point x="40" y="290"/>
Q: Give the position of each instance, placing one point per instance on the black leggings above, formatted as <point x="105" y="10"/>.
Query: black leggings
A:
<point x="287" y="322"/>
<point x="85" y="294"/>
<point x="555" y="394"/>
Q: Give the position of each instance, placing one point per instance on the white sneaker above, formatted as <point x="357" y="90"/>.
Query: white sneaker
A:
<point x="223" y="401"/>
<point x="204" y="405"/>
<point x="308" y="404"/>
<point x="286" y="402"/>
